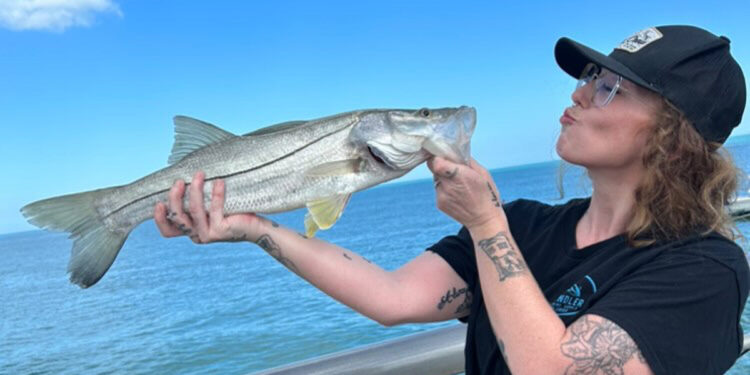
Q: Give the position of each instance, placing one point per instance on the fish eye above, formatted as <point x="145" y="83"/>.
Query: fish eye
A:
<point x="424" y="112"/>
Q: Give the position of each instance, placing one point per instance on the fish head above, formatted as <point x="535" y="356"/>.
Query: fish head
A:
<point x="402" y="139"/>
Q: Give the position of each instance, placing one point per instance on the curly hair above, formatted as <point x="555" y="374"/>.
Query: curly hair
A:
<point x="686" y="186"/>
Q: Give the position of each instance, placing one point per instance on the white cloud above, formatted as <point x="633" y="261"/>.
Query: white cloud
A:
<point x="52" y="15"/>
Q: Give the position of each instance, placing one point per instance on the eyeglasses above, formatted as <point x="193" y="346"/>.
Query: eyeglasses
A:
<point x="606" y="83"/>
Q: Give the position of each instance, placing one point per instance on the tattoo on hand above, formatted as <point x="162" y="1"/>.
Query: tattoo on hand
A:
<point x="508" y="261"/>
<point x="451" y="174"/>
<point x="495" y="200"/>
<point x="185" y="230"/>
<point x="598" y="347"/>
<point x="269" y="245"/>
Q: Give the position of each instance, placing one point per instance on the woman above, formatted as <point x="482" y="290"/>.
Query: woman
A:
<point x="640" y="278"/>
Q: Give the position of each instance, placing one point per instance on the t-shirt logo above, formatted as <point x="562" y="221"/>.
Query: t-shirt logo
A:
<point x="640" y="40"/>
<point x="571" y="302"/>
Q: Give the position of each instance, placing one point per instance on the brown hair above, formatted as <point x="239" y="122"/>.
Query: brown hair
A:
<point x="686" y="185"/>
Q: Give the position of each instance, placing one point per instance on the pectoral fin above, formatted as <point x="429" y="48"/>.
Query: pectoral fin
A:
<point x="336" y="168"/>
<point x="322" y="214"/>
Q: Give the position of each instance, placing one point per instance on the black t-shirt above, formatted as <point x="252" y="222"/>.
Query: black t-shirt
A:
<point x="680" y="301"/>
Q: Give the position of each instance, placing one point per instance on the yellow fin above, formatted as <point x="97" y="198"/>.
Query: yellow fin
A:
<point x="336" y="168"/>
<point x="322" y="214"/>
<point x="310" y="226"/>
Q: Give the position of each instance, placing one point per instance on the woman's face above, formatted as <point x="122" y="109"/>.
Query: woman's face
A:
<point x="609" y="137"/>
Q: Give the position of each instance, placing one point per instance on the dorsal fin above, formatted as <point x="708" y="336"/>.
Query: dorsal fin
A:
<point x="191" y="134"/>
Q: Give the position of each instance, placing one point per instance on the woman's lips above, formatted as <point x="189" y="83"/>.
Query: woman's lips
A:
<point x="566" y="118"/>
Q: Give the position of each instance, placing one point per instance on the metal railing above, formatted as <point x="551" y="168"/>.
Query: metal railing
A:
<point x="436" y="352"/>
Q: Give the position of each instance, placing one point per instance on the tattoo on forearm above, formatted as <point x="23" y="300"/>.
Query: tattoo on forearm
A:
<point x="508" y="261"/>
<point x="269" y="245"/>
<point x="495" y="200"/>
<point x="598" y="347"/>
<point x="346" y="256"/>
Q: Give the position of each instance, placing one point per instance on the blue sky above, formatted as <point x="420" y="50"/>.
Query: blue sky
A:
<point x="89" y="87"/>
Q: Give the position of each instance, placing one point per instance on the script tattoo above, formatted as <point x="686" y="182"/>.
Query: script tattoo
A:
<point x="466" y="304"/>
<point x="598" y="347"/>
<point x="452" y="295"/>
<point x="494" y="196"/>
<point x="269" y="245"/>
<point x="507" y="260"/>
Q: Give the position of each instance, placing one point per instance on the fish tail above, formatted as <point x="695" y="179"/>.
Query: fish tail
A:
<point x="94" y="245"/>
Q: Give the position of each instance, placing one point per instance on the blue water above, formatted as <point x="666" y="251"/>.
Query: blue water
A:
<point x="168" y="306"/>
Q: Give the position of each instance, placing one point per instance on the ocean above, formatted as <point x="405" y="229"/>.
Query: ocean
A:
<point x="168" y="306"/>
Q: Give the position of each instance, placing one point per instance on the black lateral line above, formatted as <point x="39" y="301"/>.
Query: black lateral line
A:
<point x="230" y="174"/>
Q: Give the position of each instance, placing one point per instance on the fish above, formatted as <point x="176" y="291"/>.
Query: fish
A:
<point x="316" y="164"/>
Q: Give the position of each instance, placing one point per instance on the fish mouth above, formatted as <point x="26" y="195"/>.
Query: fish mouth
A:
<point x="393" y="158"/>
<point x="375" y="155"/>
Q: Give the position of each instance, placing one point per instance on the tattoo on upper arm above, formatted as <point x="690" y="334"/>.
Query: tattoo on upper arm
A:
<point x="452" y="295"/>
<point x="501" y="346"/>
<point x="495" y="200"/>
<point x="269" y="245"/>
<point x="465" y="306"/>
<point x="598" y="346"/>
<point x="507" y="259"/>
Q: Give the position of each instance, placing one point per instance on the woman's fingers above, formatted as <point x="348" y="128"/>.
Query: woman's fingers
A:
<point x="166" y="227"/>
<point x="216" y="211"/>
<point x="176" y="213"/>
<point x="442" y="169"/>
<point x="197" y="210"/>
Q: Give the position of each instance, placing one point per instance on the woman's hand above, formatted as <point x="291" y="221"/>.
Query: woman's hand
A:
<point x="466" y="193"/>
<point x="199" y="225"/>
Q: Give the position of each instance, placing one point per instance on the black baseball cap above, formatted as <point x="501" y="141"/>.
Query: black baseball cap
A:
<point x="689" y="66"/>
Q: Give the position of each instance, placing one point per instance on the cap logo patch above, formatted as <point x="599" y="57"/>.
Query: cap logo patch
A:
<point x="640" y="40"/>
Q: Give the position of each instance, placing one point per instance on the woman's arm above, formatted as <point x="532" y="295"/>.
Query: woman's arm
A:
<point x="416" y="292"/>
<point x="530" y="335"/>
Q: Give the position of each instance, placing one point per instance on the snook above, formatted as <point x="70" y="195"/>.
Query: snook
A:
<point x="317" y="163"/>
